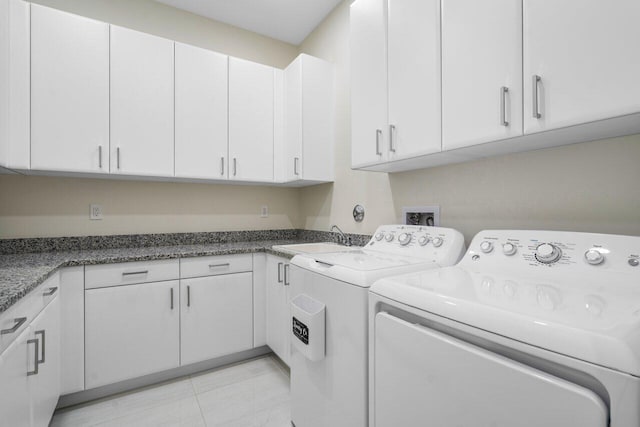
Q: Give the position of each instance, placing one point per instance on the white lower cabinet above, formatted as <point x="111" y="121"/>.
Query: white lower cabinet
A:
<point x="131" y="331"/>
<point x="278" y="311"/>
<point x="14" y="383"/>
<point x="216" y="316"/>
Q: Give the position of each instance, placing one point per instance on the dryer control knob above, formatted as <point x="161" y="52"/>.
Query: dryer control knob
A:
<point x="486" y="246"/>
<point x="404" y="239"/>
<point x="437" y="241"/>
<point x="423" y="240"/>
<point x="509" y="249"/>
<point x="389" y="237"/>
<point x="594" y="257"/>
<point x="547" y="253"/>
<point x="379" y="236"/>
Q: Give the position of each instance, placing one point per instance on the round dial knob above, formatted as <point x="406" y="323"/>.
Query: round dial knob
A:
<point x="404" y="239"/>
<point x="547" y="253"/>
<point x="389" y="237"/>
<point x="594" y="257"/>
<point x="486" y="246"/>
<point x="437" y="241"/>
<point x="379" y="236"/>
<point x="633" y="262"/>
<point x="423" y="240"/>
<point x="509" y="249"/>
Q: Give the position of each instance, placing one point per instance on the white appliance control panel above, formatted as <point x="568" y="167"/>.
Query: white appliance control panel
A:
<point x="554" y="249"/>
<point x="418" y="241"/>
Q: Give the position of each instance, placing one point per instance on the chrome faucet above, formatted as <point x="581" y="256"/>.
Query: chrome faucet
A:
<point x="343" y="239"/>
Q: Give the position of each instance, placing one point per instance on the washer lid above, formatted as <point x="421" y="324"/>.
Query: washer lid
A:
<point x="367" y="260"/>
<point x="593" y="318"/>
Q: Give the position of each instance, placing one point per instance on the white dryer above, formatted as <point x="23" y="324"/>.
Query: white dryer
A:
<point x="530" y="329"/>
<point x="329" y="384"/>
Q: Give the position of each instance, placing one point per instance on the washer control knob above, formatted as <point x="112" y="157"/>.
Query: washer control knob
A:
<point x="389" y="237"/>
<point x="509" y="249"/>
<point x="486" y="246"/>
<point x="437" y="241"/>
<point x="594" y="257"/>
<point x="634" y="262"/>
<point x="547" y="253"/>
<point x="423" y="240"/>
<point x="404" y="239"/>
<point x="379" y="236"/>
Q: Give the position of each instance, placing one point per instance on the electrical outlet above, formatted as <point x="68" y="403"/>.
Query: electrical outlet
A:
<point x="264" y="211"/>
<point x="95" y="212"/>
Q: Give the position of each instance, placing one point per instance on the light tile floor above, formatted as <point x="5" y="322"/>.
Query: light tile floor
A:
<point x="249" y="394"/>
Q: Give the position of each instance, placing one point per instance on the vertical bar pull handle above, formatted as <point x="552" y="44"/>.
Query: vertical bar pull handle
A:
<point x="280" y="272"/>
<point x="43" y="347"/>
<point x="535" y="82"/>
<point x="235" y="166"/>
<point x="378" y="138"/>
<point x="118" y="157"/>
<point x="35" y="359"/>
<point x="392" y="138"/>
<point x="171" y="298"/>
<point x="286" y="274"/>
<point x="222" y="166"/>
<point x="296" y="161"/>
<point x="100" y="156"/>
<point x="503" y="106"/>
<point x="188" y="296"/>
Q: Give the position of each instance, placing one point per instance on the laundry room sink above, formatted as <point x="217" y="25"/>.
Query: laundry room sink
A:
<point x="314" y="248"/>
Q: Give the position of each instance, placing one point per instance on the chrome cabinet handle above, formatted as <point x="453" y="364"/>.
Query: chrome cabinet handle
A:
<point x="118" y="157"/>
<point x="131" y="273"/>
<point x="43" y="348"/>
<point x="280" y="272"/>
<point x="378" y="138"/>
<point x="535" y="81"/>
<point x="50" y="292"/>
<point x="188" y="296"/>
<point x="235" y="166"/>
<point x="226" y="264"/>
<point x="19" y="322"/>
<point x="171" y="298"/>
<point x="100" y="156"/>
<point x="286" y="274"/>
<point x="392" y="139"/>
<point x="222" y="166"/>
<point x="503" y="106"/>
<point x="35" y="359"/>
<point x="295" y="165"/>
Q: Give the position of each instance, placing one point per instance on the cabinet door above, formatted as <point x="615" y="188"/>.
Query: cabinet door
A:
<point x="414" y="78"/>
<point x="131" y="331"/>
<point x="481" y="55"/>
<point x="369" y="113"/>
<point x="14" y="384"/>
<point x="292" y="161"/>
<point x="251" y="121"/>
<point x="585" y="53"/>
<point x="44" y="387"/>
<point x="201" y="113"/>
<point x="216" y="316"/>
<point x="141" y="103"/>
<point x="278" y="311"/>
<point x="69" y="92"/>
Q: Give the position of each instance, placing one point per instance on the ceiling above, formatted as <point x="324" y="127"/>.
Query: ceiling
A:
<point x="288" y="20"/>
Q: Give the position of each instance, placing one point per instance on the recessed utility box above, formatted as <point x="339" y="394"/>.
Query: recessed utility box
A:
<point x="421" y="215"/>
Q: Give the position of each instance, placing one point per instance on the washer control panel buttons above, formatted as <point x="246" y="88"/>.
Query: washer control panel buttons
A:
<point x="389" y="237"/>
<point x="423" y="240"/>
<point x="547" y="253"/>
<point x="437" y="241"/>
<point x="486" y="246"/>
<point x="509" y="249"/>
<point x="404" y="239"/>
<point x="634" y="262"/>
<point x="594" y="257"/>
<point x="379" y="236"/>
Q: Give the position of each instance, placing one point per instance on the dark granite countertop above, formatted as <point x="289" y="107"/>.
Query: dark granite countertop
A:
<point x="21" y="273"/>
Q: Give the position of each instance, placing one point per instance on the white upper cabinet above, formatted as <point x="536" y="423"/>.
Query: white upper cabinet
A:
<point x="69" y="92"/>
<point x="201" y="113"/>
<point x="309" y="120"/>
<point x="481" y="71"/>
<point x="414" y="78"/>
<point x="369" y="112"/>
<point x="585" y="56"/>
<point x="142" y="104"/>
<point x="251" y="121"/>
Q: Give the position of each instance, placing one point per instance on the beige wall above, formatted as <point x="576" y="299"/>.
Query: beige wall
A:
<point x="47" y="206"/>
<point x="587" y="187"/>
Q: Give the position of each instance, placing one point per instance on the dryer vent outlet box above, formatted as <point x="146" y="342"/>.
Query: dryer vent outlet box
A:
<point x="421" y="215"/>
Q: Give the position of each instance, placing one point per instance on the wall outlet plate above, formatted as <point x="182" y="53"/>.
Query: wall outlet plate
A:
<point x="421" y="215"/>
<point x="95" y="212"/>
<point x="264" y="211"/>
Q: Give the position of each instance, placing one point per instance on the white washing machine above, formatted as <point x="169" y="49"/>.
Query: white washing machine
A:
<point x="329" y="384"/>
<point x="530" y="329"/>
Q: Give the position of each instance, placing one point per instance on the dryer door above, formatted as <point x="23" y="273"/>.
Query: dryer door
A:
<point x="423" y="377"/>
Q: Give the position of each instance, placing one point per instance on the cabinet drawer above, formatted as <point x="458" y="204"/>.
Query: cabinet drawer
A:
<point x="214" y="265"/>
<point x="128" y="273"/>
<point x="19" y="316"/>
